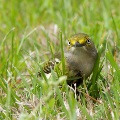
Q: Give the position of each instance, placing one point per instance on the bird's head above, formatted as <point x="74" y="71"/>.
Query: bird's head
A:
<point x="81" y="40"/>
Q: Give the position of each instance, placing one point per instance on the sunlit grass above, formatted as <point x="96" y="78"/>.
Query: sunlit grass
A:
<point x="31" y="32"/>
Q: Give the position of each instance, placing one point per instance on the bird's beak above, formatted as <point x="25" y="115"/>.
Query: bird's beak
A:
<point x="78" y="44"/>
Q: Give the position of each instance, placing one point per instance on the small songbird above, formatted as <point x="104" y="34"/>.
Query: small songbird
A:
<point x="80" y="57"/>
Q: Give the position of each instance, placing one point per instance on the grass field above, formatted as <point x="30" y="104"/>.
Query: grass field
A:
<point x="30" y="32"/>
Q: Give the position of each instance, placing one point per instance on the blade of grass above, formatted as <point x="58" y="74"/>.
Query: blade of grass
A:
<point x="85" y="112"/>
<point x="62" y="53"/>
<point x="4" y="85"/>
<point x="62" y="102"/>
<point x="43" y="74"/>
<point x="93" y="88"/>
<point x="113" y="63"/>
<point x="8" y="102"/>
<point x="7" y="36"/>
<point x="24" y="38"/>
<point x="23" y="79"/>
<point x="49" y="43"/>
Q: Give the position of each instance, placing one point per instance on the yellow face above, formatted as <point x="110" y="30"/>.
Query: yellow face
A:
<point x="79" y="40"/>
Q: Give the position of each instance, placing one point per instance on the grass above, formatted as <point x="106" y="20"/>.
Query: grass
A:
<point x="30" y="33"/>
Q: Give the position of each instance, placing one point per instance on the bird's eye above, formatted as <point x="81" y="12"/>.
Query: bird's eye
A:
<point x="88" y="41"/>
<point x="68" y="42"/>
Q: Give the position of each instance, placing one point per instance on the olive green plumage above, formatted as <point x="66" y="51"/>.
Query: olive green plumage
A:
<point x="80" y="57"/>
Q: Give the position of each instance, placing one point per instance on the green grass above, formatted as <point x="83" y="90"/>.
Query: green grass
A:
<point x="30" y="33"/>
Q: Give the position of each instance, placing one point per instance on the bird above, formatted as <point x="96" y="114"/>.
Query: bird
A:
<point x="80" y="57"/>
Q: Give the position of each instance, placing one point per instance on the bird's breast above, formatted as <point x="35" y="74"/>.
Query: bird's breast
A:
<point x="80" y="61"/>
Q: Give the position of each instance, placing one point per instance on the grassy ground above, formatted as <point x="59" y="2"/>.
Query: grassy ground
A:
<point x="30" y="32"/>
